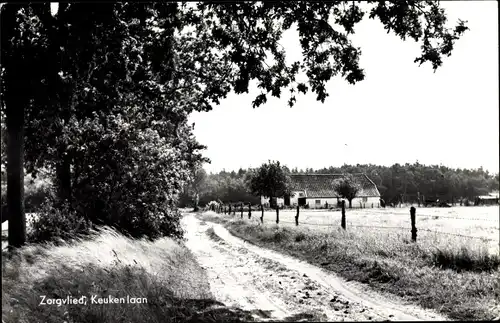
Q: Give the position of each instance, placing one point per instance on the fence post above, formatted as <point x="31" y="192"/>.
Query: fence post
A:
<point x="229" y="209"/>
<point x="297" y="216"/>
<point x="342" y="221"/>
<point x="262" y="216"/>
<point x="234" y="209"/>
<point x="372" y="205"/>
<point x="241" y="209"/>
<point x="249" y="210"/>
<point x="277" y="213"/>
<point x="413" y="227"/>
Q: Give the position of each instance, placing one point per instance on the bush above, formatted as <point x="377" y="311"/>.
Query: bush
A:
<point x="129" y="178"/>
<point x="53" y="224"/>
<point x="35" y="194"/>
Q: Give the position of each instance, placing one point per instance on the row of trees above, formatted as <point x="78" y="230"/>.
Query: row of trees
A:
<point x="396" y="183"/>
<point x="99" y="96"/>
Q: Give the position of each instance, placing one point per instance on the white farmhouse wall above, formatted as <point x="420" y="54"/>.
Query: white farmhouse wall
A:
<point x="332" y="201"/>
<point x="357" y="202"/>
<point x="294" y="198"/>
<point x="366" y="202"/>
<point x="265" y="201"/>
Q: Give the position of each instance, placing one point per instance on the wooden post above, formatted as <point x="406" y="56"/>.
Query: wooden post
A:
<point x="297" y="216"/>
<point x="249" y="210"/>
<point x="241" y="209"/>
<point x="234" y="210"/>
<point x="413" y="227"/>
<point x="277" y="213"/>
<point x="262" y="216"/>
<point x="342" y="221"/>
<point x="229" y="209"/>
<point x="372" y="205"/>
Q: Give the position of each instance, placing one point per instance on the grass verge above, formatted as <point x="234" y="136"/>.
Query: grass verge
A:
<point x="461" y="282"/>
<point x="163" y="275"/>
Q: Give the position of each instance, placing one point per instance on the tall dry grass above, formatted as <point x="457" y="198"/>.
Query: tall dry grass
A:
<point x="460" y="278"/>
<point x="163" y="272"/>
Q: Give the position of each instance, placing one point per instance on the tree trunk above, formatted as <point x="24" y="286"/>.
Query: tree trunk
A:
<point x="342" y="219"/>
<point x="196" y="200"/>
<point x="15" y="110"/>
<point x="16" y="99"/>
<point x="350" y="203"/>
<point x="63" y="175"/>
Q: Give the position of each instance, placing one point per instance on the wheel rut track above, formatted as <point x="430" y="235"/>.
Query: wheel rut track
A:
<point x="281" y="287"/>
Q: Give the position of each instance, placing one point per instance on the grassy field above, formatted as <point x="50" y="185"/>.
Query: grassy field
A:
<point x="164" y="273"/>
<point x="453" y="224"/>
<point x="458" y="277"/>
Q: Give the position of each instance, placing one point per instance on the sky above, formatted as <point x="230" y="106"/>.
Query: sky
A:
<point x="399" y="113"/>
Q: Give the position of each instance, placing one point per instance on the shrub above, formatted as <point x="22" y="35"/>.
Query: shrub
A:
<point x="129" y="178"/>
<point x="53" y="224"/>
<point x="35" y="194"/>
<point x="465" y="259"/>
<point x="300" y="236"/>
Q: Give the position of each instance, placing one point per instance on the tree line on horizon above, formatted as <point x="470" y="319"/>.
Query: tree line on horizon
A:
<point x="396" y="182"/>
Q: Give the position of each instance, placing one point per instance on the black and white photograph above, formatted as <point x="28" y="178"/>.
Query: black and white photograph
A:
<point x="250" y="161"/>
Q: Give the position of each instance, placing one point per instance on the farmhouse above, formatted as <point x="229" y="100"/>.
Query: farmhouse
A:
<point x="316" y="190"/>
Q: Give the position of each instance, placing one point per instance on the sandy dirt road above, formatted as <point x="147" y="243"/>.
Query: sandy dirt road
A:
<point x="273" y="286"/>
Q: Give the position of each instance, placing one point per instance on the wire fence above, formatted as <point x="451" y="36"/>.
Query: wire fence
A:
<point x="302" y="223"/>
<point x="395" y="228"/>
<point x="459" y="218"/>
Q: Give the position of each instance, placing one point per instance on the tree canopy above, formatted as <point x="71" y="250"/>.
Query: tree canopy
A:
<point x="126" y="76"/>
<point x="346" y="187"/>
<point x="270" y="180"/>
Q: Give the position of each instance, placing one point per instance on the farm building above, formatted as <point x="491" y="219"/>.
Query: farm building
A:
<point x="491" y="199"/>
<point x="316" y="190"/>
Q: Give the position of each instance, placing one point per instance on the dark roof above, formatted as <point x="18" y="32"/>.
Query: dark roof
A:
<point x="321" y="185"/>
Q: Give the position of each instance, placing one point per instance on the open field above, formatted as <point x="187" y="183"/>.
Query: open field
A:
<point x="456" y="276"/>
<point x="448" y="225"/>
<point x="163" y="273"/>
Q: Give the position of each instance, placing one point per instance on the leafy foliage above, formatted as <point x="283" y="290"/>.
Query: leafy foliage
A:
<point x="129" y="178"/>
<point x="56" y="224"/>
<point x="228" y="187"/>
<point x="346" y="187"/>
<point x="270" y="180"/>
<point x="248" y="34"/>
<point x="111" y="88"/>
